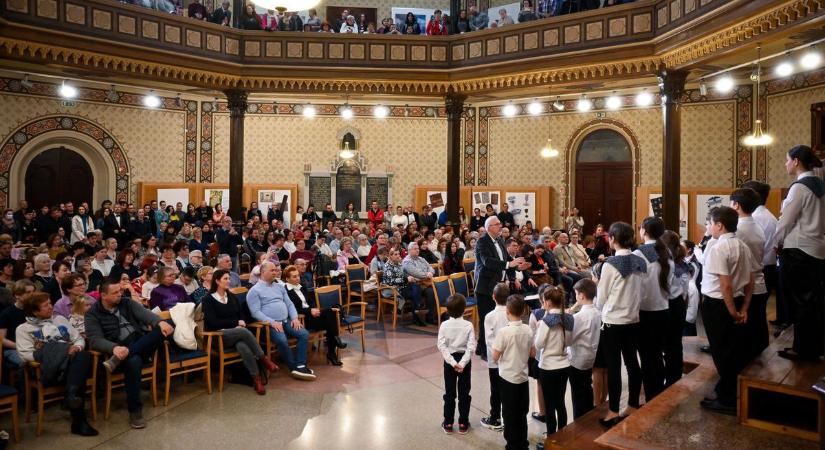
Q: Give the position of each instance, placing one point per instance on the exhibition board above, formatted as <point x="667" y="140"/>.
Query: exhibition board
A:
<point x="525" y="202"/>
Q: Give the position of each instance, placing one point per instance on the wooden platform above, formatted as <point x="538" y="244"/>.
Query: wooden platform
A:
<point x="775" y="393"/>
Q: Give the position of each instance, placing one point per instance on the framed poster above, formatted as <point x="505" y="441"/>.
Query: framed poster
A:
<point x="437" y="200"/>
<point x="173" y="196"/>
<point x="704" y="203"/>
<point x="656" y="211"/>
<point x="267" y="198"/>
<point x="215" y="196"/>
<point x="522" y="205"/>
<point x="482" y="198"/>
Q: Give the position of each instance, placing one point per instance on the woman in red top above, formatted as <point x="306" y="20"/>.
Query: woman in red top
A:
<point x="376" y="217"/>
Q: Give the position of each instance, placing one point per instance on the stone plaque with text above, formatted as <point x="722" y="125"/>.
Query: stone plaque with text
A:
<point x="378" y="189"/>
<point x="347" y="186"/>
<point x="319" y="192"/>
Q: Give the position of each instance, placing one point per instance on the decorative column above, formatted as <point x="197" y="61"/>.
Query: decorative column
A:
<point x="455" y="109"/>
<point x="237" y="110"/>
<point x="672" y="86"/>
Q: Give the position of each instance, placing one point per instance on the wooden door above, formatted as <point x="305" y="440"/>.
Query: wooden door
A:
<point x="604" y="193"/>
<point x="57" y="176"/>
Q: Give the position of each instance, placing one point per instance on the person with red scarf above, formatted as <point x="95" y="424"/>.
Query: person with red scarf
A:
<point x="436" y="25"/>
<point x="375" y="217"/>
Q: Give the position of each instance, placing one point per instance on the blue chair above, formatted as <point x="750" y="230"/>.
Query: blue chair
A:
<point x="8" y="402"/>
<point x="180" y="361"/>
<point x="461" y="286"/>
<point x="329" y="297"/>
<point x="470" y="267"/>
<point x="356" y="275"/>
<point x="442" y="289"/>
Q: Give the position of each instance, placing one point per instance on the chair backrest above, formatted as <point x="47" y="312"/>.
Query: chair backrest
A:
<point x="240" y="293"/>
<point x="356" y="272"/>
<point x="436" y="269"/>
<point x="469" y="265"/>
<point x="328" y="296"/>
<point x="165" y="315"/>
<point x="442" y="289"/>
<point x="459" y="280"/>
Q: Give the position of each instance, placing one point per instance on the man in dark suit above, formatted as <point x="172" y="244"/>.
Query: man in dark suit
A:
<point x="223" y="15"/>
<point x="491" y="265"/>
<point x="117" y="225"/>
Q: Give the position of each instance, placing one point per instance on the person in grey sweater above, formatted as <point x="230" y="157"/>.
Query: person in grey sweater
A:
<point x="118" y="326"/>
<point x="420" y="276"/>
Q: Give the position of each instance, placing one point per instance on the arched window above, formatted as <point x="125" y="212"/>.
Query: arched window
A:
<point x="349" y="138"/>
<point x="604" y="146"/>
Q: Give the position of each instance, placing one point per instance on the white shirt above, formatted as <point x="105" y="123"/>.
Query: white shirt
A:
<point x="514" y="342"/>
<point x="552" y="343"/>
<point x="619" y="298"/>
<point x="146" y="291"/>
<point x="728" y="256"/>
<point x="189" y="288"/>
<point x="104" y="266"/>
<point x="767" y="221"/>
<point x="501" y="257"/>
<point x="399" y="220"/>
<point x="456" y="335"/>
<point x="653" y="297"/>
<point x="584" y="339"/>
<point x="802" y="223"/>
<point x="494" y="321"/>
<point x="297" y="289"/>
<point x="220" y="299"/>
<point x="749" y="232"/>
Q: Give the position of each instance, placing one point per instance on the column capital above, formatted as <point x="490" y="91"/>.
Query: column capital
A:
<point x="454" y="103"/>
<point x="237" y="99"/>
<point x="672" y="84"/>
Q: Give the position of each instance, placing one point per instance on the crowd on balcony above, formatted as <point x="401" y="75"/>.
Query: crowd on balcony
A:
<point x="467" y="20"/>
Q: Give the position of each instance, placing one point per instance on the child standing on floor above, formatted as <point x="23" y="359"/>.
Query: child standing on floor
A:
<point x="552" y="337"/>
<point x="533" y="363"/>
<point x="511" y="349"/>
<point x="456" y="342"/>
<point x="584" y="343"/>
<point x="620" y="292"/>
<point x="493" y="322"/>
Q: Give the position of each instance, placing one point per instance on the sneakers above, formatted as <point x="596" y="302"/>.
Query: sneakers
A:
<point x="447" y="427"/>
<point x="303" y="373"/>
<point x="463" y="428"/>
<point x="111" y="363"/>
<point x="136" y="420"/>
<point x="491" y="424"/>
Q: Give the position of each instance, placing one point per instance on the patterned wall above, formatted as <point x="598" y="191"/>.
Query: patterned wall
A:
<point x="153" y="140"/>
<point x="276" y="148"/>
<point x="789" y="121"/>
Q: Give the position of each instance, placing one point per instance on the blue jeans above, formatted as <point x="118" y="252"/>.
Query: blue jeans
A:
<point x="12" y="358"/>
<point x="140" y="352"/>
<point x="280" y="338"/>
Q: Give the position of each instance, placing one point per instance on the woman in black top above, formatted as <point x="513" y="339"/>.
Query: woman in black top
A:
<point x="125" y="264"/>
<point x="316" y="319"/>
<point x="222" y="312"/>
<point x="249" y="20"/>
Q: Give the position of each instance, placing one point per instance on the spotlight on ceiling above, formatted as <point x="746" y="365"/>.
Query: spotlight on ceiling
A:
<point x="703" y="89"/>
<point x="509" y="110"/>
<point x="346" y="112"/>
<point x="26" y="83"/>
<point x="584" y="104"/>
<point x="725" y="84"/>
<point x="151" y="100"/>
<point x="66" y="90"/>
<point x="644" y="99"/>
<point x="178" y="101"/>
<point x="535" y="108"/>
<point x="380" y="111"/>
<point x="784" y="68"/>
<point x="810" y="59"/>
<point x="309" y="111"/>
<point x="558" y="105"/>
<point x="614" y="102"/>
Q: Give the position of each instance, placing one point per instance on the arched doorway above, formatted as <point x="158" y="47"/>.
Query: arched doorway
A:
<point x="59" y="175"/>
<point x="604" y="179"/>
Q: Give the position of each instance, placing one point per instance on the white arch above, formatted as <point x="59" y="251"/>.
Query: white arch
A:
<point x="99" y="160"/>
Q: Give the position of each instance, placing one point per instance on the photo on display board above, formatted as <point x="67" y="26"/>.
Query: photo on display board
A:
<point x="214" y="196"/>
<point x="522" y="205"/>
<point x="704" y="203"/>
<point x="483" y="198"/>
<point x="657" y="210"/>
<point x="436" y="200"/>
<point x="273" y="198"/>
<point x="174" y="196"/>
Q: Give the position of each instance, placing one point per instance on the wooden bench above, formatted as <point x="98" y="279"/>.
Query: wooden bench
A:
<point x="776" y="394"/>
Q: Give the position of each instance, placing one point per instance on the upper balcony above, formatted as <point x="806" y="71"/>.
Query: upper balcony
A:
<point x="104" y="37"/>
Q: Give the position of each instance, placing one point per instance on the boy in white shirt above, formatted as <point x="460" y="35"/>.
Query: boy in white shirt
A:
<point x="457" y="343"/>
<point x="493" y="322"/>
<point x="553" y="334"/>
<point x="511" y="350"/>
<point x="584" y="343"/>
<point x="728" y="278"/>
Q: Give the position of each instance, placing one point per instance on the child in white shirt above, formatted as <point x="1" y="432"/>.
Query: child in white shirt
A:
<point x="584" y="343"/>
<point x="553" y="334"/>
<point x="493" y="322"/>
<point x="457" y="343"/>
<point x="511" y="349"/>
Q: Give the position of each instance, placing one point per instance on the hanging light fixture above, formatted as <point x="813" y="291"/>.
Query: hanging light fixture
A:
<point x="346" y="153"/>
<point x="346" y="112"/>
<point x="758" y="138"/>
<point x="548" y="151"/>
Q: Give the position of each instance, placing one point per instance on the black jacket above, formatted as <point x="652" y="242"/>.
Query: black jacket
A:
<point x="220" y="14"/>
<point x="228" y="243"/>
<point x="217" y="316"/>
<point x="103" y="327"/>
<point x="297" y="301"/>
<point x="506" y="219"/>
<point x="429" y="220"/>
<point x="488" y="264"/>
<point x="476" y="222"/>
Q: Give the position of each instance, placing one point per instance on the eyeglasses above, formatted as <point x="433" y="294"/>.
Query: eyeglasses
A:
<point x="82" y="283"/>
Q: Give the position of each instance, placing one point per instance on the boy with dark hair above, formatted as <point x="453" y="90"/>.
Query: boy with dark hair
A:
<point x="493" y="322"/>
<point x="456" y="342"/>
<point x="728" y="278"/>
<point x="584" y="342"/>
<point x="511" y="350"/>
<point x="745" y="202"/>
